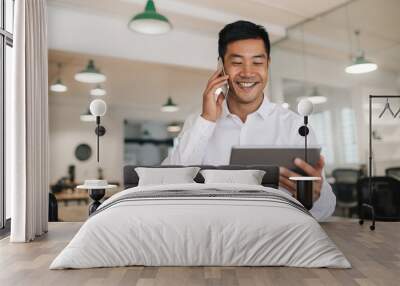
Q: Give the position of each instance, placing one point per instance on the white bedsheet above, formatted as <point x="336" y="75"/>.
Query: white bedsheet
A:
<point x="206" y="231"/>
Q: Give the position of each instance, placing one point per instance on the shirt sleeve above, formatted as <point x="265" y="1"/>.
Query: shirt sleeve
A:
<point x="192" y="142"/>
<point x="324" y="207"/>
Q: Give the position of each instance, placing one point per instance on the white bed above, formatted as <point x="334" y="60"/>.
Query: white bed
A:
<point x="269" y="229"/>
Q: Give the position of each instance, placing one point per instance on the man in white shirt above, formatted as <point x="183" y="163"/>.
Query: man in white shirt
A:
<point x="245" y="116"/>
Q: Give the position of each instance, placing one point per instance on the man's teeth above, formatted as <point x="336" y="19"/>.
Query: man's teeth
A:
<point x="247" y="84"/>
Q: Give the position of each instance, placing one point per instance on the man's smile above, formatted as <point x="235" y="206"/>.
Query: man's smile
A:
<point x="246" y="85"/>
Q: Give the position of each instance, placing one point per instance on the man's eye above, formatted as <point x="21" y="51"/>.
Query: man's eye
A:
<point x="258" y="63"/>
<point x="236" y="63"/>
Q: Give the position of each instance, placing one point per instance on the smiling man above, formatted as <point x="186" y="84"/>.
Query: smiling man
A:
<point x="245" y="116"/>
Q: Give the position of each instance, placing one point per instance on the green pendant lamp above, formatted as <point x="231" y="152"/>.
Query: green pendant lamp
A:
<point x="169" y="106"/>
<point x="58" y="86"/>
<point x="90" y="74"/>
<point x="360" y="64"/>
<point x="98" y="91"/>
<point x="150" y="22"/>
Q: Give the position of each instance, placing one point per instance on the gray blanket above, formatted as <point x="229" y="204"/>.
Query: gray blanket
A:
<point x="206" y="194"/>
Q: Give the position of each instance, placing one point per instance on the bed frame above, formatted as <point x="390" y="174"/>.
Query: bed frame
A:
<point x="270" y="179"/>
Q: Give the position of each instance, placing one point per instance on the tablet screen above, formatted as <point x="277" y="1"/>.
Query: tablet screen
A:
<point x="273" y="155"/>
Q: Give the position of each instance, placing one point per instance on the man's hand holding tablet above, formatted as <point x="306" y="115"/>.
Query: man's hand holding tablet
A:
<point x="314" y="171"/>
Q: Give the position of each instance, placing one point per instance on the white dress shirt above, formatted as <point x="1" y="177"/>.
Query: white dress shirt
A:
<point x="203" y="142"/>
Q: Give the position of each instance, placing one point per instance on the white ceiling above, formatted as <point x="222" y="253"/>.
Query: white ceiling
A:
<point x="141" y="76"/>
<point x="208" y="16"/>
<point x="327" y="36"/>
<point x="332" y="36"/>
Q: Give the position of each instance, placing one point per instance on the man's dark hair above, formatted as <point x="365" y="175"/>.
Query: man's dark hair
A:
<point x="241" y="30"/>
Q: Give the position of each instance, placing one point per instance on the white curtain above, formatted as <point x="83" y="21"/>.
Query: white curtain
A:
<point x="27" y="123"/>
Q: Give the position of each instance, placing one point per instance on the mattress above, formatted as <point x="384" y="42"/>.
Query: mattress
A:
<point x="201" y="225"/>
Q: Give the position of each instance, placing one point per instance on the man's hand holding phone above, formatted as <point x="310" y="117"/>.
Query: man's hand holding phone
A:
<point x="212" y="108"/>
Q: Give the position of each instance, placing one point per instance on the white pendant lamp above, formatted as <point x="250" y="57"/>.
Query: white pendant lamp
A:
<point x="87" y="117"/>
<point x="169" y="106"/>
<point x="58" y="85"/>
<point x="150" y="21"/>
<point x="360" y="64"/>
<point x="174" y="127"/>
<point x="98" y="91"/>
<point x="315" y="97"/>
<point x="90" y="74"/>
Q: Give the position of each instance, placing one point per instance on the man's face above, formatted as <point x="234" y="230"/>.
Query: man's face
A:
<point x="246" y="62"/>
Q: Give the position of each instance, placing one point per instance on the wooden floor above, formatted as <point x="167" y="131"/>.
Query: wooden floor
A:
<point x="375" y="257"/>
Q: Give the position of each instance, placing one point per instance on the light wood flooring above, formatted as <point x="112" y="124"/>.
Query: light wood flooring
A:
<point x="375" y="257"/>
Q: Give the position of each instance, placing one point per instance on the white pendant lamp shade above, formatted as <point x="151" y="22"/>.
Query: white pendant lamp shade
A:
<point x="87" y="117"/>
<point x="98" y="107"/>
<point x="361" y="65"/>
<point x="169" y="106"/>
<point x="90" y="74"/>
<point x="150" y="21"/>
<point x="98" y="91"/>
<point x="58" y="86"/>
<point x="315" y="97"/>
<point x="174" y="128"/>
<point x="150" y="26"/>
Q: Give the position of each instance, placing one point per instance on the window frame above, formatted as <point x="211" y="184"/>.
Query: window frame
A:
<point x="6" y="39"/>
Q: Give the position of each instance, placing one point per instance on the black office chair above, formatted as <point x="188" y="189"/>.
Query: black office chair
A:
<point x="385" y="199"/>
<point x="393" y="172"/>
<point x="345" y="189"/>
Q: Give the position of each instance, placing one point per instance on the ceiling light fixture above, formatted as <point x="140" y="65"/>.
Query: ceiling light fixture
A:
<point x="174" y="127"/>
<point x="150" y="21"/>
<point x="90" y="74"/>
<point x="58" y="86"/>
<point x="169" y="106"/>
<point x="98" y="91"/>
<point x="87" y="116"/>
<point x="360" y="64"/>
<point x="315" y="97"/>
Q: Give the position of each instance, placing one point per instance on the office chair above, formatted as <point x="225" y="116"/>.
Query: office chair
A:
<point x="393" y="172"/>
<point x="345" y="188"/>
<point x="386" y="198"/>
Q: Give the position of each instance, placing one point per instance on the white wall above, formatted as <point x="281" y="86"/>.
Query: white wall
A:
<point x="67" y="131"/>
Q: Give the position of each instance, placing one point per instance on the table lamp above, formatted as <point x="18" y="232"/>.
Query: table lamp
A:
<point x="304" y="184"/>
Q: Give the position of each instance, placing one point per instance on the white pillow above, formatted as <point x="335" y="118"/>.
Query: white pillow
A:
<point x="163" y="176"/>
<point x="248" y="177"/>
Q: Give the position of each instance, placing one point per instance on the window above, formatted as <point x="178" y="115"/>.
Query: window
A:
<point x="322" y="125"/>
<point x="349" y="136"/>
<point x="6" y="43"/>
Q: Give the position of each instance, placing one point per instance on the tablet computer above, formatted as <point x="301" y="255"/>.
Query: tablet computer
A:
<point x="274" y="155"/>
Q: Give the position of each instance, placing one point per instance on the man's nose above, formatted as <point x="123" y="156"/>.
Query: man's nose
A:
<point x="246" y="71"/>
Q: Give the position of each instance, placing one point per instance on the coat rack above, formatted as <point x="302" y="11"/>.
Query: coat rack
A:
<point x="387" y="108"/>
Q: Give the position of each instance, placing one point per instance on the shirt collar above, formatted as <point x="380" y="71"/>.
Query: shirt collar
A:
<point x="264" y="110"/>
